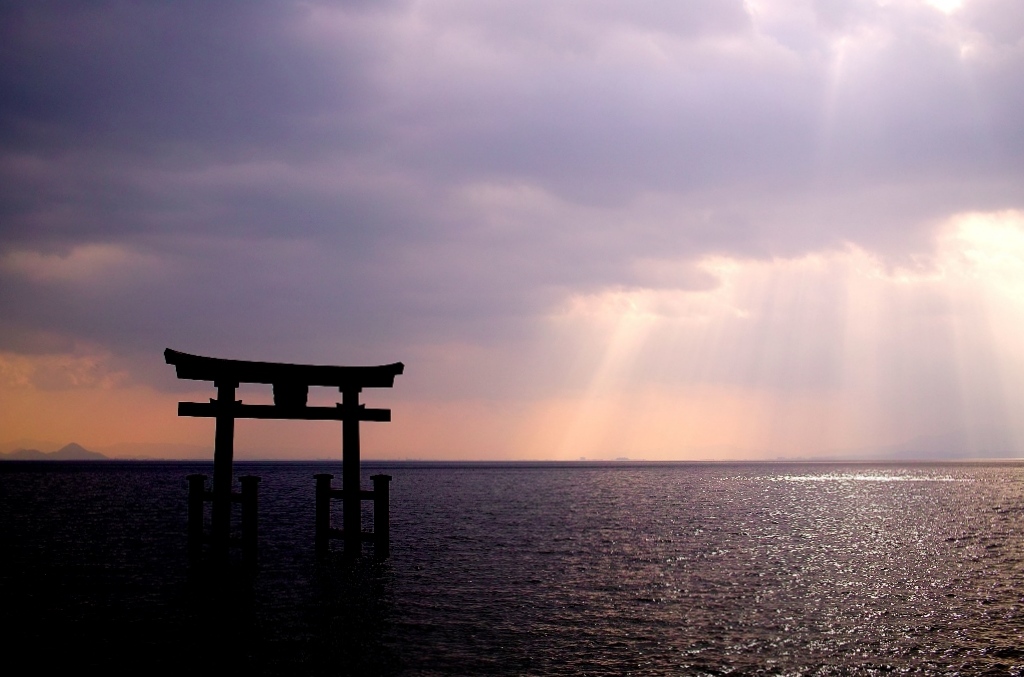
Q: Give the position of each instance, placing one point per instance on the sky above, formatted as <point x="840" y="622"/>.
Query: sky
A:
<point x="710" y="229"/>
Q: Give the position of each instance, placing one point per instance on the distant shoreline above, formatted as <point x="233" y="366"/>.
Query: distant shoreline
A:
<point x="75" y="453"/>
<point x="406" y="463"/>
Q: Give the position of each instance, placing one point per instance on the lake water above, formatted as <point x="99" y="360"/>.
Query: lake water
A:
<point x="529" y="569"/>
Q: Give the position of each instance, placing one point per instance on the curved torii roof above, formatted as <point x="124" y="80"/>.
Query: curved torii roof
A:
<point x="199" y="368"/>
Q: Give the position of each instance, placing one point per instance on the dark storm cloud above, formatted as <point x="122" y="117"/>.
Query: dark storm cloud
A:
<point x="135" y="75"/>
<point x="107" y="105"/>
<point x="387" y="174"/>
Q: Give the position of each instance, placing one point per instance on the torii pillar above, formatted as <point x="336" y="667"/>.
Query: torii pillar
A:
<point x="223" y="462"/>
<point x="352" y="503"/>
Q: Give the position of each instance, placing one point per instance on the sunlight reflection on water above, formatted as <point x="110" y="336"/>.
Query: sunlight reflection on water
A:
<point x="866" y="478"/>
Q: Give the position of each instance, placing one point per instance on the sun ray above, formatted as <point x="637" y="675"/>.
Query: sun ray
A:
<point x="627" y="326"/>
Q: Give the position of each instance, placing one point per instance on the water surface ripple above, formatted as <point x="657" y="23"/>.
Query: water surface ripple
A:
<point x="518" y="569"/>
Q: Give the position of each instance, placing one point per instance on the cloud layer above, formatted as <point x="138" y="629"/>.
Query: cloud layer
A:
<point x="449" y="182"/>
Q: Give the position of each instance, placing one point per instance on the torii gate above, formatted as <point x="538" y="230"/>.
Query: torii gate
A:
<point x="291" y="389"/>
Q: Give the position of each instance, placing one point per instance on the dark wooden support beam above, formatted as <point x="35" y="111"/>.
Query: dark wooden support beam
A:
<point x="364" y="494"/>
<point x="364" y="536"/>
<point x="381" y="534"/>
<point x="270" y="411"/>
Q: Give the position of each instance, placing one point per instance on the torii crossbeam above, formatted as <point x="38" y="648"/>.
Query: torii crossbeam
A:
<point x="291" y="384"/>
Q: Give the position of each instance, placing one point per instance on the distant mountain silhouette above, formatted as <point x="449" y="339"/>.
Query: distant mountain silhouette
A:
<point x="69" y="452"/>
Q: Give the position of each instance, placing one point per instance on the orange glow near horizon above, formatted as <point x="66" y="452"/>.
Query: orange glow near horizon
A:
<point x="828" y="352"/>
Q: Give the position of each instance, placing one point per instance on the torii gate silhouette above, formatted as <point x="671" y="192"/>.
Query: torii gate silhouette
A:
<point x="291" y="384"/>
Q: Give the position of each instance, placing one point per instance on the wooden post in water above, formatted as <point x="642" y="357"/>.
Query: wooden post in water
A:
<point x="196" y="498"/>
<point x="322" y="534"/>
<point x="250" y="520"/>
<point x="381" y="516"/>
